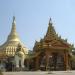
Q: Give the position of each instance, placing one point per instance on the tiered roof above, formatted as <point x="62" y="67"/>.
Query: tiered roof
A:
<point x="52" y="40"/>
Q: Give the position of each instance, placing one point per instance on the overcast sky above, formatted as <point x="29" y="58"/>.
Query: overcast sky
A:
<point x="32" y="17"/>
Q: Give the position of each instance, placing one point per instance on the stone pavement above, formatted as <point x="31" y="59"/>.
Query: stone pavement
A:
<point x="41" y="73"/>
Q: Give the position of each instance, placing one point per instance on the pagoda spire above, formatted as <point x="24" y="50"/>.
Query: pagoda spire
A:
<point x="50" y="31"/>
<point x="13" y="30"/>
<point x="13" y="34"/>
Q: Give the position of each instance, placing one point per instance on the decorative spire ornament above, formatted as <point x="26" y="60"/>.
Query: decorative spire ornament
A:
<point x="13" y="34"/>
<point x="50" y="31"/>
<point x="50" y="21"/>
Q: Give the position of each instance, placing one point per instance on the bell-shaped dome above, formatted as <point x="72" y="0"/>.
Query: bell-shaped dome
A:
<point x="10" y="46"/>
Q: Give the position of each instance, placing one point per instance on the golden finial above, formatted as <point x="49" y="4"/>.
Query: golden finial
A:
<point x="14" y="19"/>
<point x="13" y="30"/>
<point x="50" y="21"/>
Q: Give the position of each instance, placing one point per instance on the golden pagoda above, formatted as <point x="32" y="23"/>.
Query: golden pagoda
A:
<point x="8" y="49"/>
<point x="51" y="52"/>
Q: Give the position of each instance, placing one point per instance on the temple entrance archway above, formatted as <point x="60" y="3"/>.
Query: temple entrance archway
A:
<point x="56" y="61"/>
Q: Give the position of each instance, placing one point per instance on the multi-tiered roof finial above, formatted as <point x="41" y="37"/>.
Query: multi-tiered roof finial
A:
<point x="50" y="31"/>
<point x="50" y="21"/>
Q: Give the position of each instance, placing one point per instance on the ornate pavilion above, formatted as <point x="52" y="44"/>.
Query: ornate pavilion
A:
<point x="52" y="52"/>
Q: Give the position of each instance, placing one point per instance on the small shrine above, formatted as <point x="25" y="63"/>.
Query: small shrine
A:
<point x="52" y="52"/>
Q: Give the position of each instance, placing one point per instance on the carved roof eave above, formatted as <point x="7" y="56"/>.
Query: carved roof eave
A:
<point x="39" y="50"/>
<point x="49" y="41"/>
<point x="46" y="46"/>
<point x="65" y="42"/>
<point x="55" y="48"/>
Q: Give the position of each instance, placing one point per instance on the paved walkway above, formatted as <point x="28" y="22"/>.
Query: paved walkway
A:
<point x="41" y="73"/>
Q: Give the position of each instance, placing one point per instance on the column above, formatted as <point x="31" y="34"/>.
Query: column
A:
<point x="47" y="60"/>
<point x="66" y="60"/>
